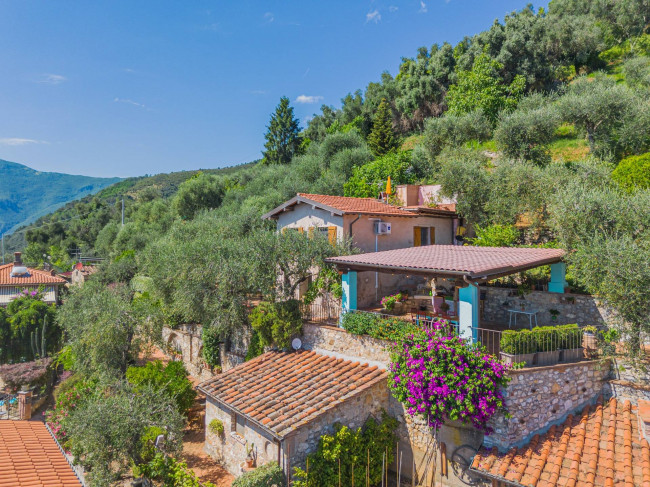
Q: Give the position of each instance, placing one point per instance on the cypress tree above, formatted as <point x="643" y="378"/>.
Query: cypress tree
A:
<point x="382" y="138"/>
<point x="283" y="135"/>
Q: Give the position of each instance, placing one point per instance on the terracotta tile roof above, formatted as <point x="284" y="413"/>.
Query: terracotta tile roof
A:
<point x="366" y="206"/>
<point x="453" y="259"/>
<point x="600" y="447"/>
<point x="35" y="277"/>
<point x="29" y="457"/>
<point x="282" y="391"/>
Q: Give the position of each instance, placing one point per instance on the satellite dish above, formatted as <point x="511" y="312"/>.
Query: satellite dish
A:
<point x="296" y="343"/>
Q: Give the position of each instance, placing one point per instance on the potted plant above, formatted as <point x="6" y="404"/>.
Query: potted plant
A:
<point x="250" y="456"/>
<point x="589" y="339"/>
<point x="389" y="302"/>
<point x="570" y="343"/>
<point x="548" y="345"/>
<point x="517" y="346"/>
<point x="554" y="314"/>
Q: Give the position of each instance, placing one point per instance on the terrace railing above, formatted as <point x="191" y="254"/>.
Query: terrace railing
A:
<point x="321" y="313"/>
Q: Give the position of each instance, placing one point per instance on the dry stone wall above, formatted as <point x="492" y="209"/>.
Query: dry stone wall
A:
<point x="574" y="308"/>
<point x="542" y="396"/>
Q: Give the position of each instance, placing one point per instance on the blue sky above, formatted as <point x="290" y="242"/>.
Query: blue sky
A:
<point x="126" y="88"/>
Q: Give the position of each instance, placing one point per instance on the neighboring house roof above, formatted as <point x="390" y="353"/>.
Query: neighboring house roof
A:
<point x="34" y="278"/>
<point x="602" y="446"/>
<point x="343" y="205"/>
<point x="29" y="456"/>
<point x="452" y="260"/>
<point x="282" y="391"/>
<point x="86" y="270"/>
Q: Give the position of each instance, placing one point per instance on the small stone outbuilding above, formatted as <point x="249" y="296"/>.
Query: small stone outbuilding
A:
<point x="280" y="403"/>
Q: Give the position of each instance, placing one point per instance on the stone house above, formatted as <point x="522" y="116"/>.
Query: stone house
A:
<point x="280" y="404"/>
<point x="374" y="225"/>
<point x="16" y="276"/>
<point x="81" y="273"/>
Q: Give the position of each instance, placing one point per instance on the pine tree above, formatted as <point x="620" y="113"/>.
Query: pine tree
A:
<point x="382" y="138"/>
<point x="283" y="135"/>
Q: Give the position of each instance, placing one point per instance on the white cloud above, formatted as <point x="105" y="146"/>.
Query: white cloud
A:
<point x="52" y="79"/>
<point x="393" y="8"/>
<point x="423" y="7"/>
<point x="373" y="16"/>
<point x="269" y="17"/>
<point x="129" y="102"/>
<point x="14" y="141"/>
<point x="308" y="99"/>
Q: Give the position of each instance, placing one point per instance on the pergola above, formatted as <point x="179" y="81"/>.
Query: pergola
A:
<point x="468" y="266"/>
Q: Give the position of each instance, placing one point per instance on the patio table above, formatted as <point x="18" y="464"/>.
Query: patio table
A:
<point x="531" y="314"/>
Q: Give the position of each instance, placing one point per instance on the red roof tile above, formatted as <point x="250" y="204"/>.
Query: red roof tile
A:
<point x="453" y="259"/>
<point x="283" y="391"/>
<point x="29" y="456"/>
<point x="601" y="446"/>
<point x="365" y="206"/>
<point x="35" y="277"/>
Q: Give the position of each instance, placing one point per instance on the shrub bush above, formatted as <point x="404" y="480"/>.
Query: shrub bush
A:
<point x="171" y="378"/>
<point x="216" y="427"/>
<point x="277" y="323"/>
<point x="265" y="475"/>
<point x="441" y="377"/>
<point x="547" y="338"/>
<point x="518" y="342"/>
<point x="29" y="373"/>
<point x="633" y="172"/>
<point x="376" y="326"/>
<point x="211" y="346"/>
<point x="570" y="336"/>
<point x="351" y="448"/>
<point x="170" y="472"/>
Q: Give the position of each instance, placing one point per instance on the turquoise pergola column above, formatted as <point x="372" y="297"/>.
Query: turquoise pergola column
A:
<point x="468" y="308"/>
<point x="558" y="278"/>
<point x="349" y="298"/>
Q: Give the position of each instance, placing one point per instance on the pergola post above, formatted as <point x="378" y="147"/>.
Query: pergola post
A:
<point x="349" y="298"/>
<point x="468" y="308"/>
<point x="558" y="278"/>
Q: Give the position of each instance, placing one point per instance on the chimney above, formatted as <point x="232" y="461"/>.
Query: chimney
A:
<point x="18" y="261"/>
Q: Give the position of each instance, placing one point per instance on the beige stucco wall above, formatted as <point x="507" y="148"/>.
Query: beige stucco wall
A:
<point x="304" y="216"/>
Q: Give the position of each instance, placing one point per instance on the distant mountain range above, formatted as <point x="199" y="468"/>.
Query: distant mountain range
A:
<point x="26" y="194"/>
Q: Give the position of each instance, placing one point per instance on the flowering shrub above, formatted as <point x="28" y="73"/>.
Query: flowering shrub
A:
<point x="440" y="376"/>
<point x="30" y="373"/>
<point x="388" y="302"/>
<point x="66" y="402"/>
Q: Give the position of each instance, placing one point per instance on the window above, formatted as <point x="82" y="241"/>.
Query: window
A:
<point x="237" y="424"/>
<point x="329" y="232"/>
<point x="424" y="236"/>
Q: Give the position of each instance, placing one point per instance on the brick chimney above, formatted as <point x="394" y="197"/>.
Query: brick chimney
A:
<point x="18" y="260"/>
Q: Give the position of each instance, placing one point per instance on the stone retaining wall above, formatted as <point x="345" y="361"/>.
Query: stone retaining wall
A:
<point x="333" y="340"/>
<point x="574" y="308"/>
<point x="542" y="396"/>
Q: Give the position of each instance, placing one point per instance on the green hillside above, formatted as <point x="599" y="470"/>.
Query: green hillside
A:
<point x="26" y="194"/>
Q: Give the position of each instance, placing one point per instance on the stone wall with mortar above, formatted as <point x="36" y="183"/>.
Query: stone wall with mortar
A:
<point x="542" y="396"/>
<point x="230" y="449"/>
<point x="574" y="308"/>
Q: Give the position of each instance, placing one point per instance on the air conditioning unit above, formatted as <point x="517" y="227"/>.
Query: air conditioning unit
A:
<point x="382" y="228"/>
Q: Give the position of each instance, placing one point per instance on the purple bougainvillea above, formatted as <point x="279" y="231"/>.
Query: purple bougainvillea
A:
<point x="439" y="377"/>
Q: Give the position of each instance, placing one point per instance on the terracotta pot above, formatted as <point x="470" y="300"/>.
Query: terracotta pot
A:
<point x="250" y="462"/>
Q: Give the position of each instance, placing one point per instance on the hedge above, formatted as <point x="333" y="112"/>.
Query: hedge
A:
<point x="265" y="475"/>
<point x="541" y="339"/>
<point x="377" y="326"/>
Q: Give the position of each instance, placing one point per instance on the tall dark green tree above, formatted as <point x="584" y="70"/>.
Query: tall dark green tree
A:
<point x="283" y="135"/>
<point x="382" y="137"/>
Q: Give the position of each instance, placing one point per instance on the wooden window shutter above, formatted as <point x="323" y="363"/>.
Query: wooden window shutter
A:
<point x="417" y="237"/>
<point x="331" y="234"/>
<point x="432" y="235"/>
<point x="310" y="232"/>
<point x="301" y="230"/>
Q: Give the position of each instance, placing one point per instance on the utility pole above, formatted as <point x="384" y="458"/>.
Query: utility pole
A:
<point x="122" y="210"/>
